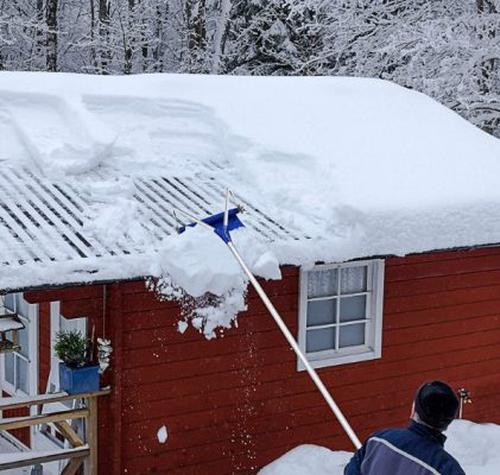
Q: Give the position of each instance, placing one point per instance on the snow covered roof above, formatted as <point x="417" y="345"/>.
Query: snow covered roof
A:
<point x="92" y="166"/>
<point x="46" y="224"/>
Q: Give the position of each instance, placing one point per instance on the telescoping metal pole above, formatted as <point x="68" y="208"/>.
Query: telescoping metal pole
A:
<point x="284" y="329"/>
<point x="291" y="340"/>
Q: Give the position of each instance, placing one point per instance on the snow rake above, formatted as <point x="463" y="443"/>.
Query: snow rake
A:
<point x="222" y="224"/>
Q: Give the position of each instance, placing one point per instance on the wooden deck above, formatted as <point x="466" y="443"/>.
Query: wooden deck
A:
<point x="81" y="452"/>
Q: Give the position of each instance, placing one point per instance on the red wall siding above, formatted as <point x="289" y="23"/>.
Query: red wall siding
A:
<point x="213" y="396"/>
<point x="23" y="435"/>
<point x="233" y="404"/>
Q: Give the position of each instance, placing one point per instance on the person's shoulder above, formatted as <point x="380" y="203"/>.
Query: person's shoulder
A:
<point x="389" y="434"/>
<point x="394" y="431"/>
<point x="450" y="465"/>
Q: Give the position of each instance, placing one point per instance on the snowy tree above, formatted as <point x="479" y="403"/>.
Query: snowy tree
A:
<point x="269" y="38"/>
<point x="51" y="8"/>
<point x="221" y="31"/>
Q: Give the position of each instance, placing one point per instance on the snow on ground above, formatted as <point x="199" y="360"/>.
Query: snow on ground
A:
<point x="308" y="460"/>
<point x="475" y="446"/>
<point x="361" y="166"/>
<point x="9" y="452"/>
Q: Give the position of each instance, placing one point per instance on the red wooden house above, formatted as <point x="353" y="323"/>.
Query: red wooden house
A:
<point x="233" y="404"/>
<point x="375" y="327"/>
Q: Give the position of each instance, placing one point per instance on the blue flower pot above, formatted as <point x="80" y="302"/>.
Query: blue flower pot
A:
<point x="79" y="380"/>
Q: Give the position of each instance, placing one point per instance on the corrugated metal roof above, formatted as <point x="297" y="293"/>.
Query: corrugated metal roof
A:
<point x="44" y="221"/>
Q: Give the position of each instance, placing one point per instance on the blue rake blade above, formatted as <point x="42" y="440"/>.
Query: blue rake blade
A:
<point x="216" y="222"/>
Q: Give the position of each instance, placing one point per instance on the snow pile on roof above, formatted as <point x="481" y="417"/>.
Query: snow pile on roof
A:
<point x="361" y="166"/>
<point x="475" y="446"/>
<point x="198" y="270"/>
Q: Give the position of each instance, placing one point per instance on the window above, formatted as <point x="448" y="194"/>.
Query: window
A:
<point x="17" y="364"/>
<point x="340" y="317"/>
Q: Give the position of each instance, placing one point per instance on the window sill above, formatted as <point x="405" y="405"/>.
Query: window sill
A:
<point x="339" y="359"/>
<point x="9" y="389"/>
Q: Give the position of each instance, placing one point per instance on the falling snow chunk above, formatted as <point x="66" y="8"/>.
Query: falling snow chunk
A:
<point x="182" y="326"/>
<point x="162" y="434"/>
<point x="199" y="263"/>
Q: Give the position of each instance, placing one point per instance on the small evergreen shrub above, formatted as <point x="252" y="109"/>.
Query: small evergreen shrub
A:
<point x="72" y="348"/>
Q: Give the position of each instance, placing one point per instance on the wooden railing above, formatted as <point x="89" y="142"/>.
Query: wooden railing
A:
<point x="80" y="452"/>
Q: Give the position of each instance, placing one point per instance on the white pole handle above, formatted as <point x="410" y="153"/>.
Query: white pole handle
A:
<point x="291" y="341"/>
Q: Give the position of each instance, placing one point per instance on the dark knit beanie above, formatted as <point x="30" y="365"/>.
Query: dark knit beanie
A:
<point x="436" y="404"/>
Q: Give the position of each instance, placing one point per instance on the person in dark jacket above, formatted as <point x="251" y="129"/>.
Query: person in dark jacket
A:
<point x="418" y="449"/>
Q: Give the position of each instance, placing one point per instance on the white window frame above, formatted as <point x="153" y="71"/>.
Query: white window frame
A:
<point x="31" y="323"/>
<point x="372" y="349"/>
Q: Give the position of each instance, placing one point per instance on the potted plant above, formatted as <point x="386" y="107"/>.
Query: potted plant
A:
<point x="77" y="373"/>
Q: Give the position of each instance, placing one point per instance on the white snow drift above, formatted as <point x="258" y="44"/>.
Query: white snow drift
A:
<point x="475" y="446"/>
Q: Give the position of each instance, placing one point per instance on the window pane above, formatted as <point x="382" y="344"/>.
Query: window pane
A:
<point x="353" y="280"/>
<point x="318" y="340"/>
<point x="9" y="367"/>
<point x="321" y="312"/>
<point x="22" y="375"/>
<point x="23" y="341"/>
<point x="352" y="335"/>
<point x="72" y="324"/>
<point x="353" y="308"/>
<point x="321" y="283"/>
<point x="9" y="302"/>
<point x="22" y="306"/>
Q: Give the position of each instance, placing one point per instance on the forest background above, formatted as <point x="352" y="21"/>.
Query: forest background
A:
<point x="448" y="49"/>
